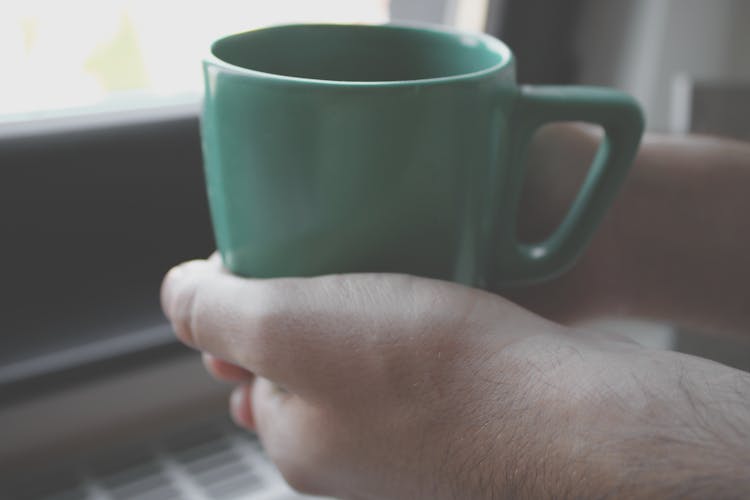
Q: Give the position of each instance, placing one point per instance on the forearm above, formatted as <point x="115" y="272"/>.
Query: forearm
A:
<point x="683" y="225"/>
<point x="692" y="439"/>
<point x="694" y="436"/>
<point x="667" y="426"/>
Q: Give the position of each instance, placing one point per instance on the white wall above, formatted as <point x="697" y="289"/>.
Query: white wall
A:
<point x="641" y="46"/>
<point x="425" y="11"/>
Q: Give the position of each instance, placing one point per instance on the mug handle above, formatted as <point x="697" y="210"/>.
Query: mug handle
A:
<point x="622" y="121"/>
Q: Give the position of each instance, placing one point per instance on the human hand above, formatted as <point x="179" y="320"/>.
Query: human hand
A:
<point x="597" y="285"/>
<point x="672" y="248"/>
<point x="391" y="386"/>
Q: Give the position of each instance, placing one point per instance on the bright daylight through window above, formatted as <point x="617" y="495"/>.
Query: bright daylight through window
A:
<point x="83" y="56"/>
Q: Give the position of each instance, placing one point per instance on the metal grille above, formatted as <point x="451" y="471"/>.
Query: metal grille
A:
<point x="211" y="461"/>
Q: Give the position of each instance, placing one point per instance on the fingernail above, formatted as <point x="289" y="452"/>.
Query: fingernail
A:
<point x="168" y="287"/>
<point x="207" y="360"/>
<point x="236" y="404"/>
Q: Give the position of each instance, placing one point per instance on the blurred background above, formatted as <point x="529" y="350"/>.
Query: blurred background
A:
<point x="102" y="191"/>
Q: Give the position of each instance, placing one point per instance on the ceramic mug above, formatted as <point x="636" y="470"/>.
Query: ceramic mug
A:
<point x="356" y="148"/>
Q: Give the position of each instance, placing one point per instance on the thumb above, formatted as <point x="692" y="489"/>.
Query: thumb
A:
<point x="246" y="322"/>
<point x="302" y="333"/>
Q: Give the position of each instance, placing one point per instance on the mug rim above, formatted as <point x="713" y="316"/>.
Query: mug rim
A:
<point x="489" y="42"/>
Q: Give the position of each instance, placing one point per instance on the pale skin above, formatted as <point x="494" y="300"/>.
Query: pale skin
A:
<point x="394" y="386"/>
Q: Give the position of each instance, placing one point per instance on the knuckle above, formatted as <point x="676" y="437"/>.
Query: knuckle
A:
<point x="265" y="324"/>
<point x="266" y="319"/>
<point x="275" y="311"/>
<point x="305" y="443"/>
<point x="308" y="472"/>
<point x="301" y="478"/>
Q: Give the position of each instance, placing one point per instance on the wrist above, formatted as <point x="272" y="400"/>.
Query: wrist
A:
<point x="660" y="425"/>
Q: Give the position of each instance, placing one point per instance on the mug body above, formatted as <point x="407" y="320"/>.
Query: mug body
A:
<point x="336" y="148"/>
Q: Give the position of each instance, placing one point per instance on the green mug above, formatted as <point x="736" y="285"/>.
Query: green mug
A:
<point x="355" y="148"/>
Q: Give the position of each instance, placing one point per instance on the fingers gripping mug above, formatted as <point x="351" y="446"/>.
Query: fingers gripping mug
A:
<point x="354" y="148"/>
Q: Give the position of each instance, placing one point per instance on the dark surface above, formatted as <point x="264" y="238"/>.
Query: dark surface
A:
<point x="83" y="364"/>
<point x="721" y="108"/>
<point x="91" y="219"/>
<point x="732" y="351"/>
<point x="541" y="34"/>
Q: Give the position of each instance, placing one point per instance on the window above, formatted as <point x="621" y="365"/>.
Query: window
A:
<point x="81" y="56"/>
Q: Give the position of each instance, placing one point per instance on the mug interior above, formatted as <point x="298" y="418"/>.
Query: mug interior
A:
<point x="361" y="53"/>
